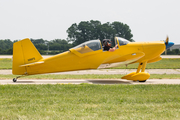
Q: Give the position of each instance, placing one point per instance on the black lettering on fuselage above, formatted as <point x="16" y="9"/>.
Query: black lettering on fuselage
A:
<point x="31" y="59"/>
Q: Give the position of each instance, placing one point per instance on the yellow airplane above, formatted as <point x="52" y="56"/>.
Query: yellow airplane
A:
<point x="88" y="55"/>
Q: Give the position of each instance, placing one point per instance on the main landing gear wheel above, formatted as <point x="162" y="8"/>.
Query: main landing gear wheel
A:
<point x="143" y="81"/>
<point x="14" y="79"/>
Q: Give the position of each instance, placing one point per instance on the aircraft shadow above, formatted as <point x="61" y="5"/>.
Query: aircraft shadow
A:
<point x="25" y="81"/>
<point x="74" y="82"/>
<point x="108" y="82"/>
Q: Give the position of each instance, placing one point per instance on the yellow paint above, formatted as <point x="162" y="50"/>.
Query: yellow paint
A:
<point x="28" y="61"/>
<point x="155" y="59"/>
<point x="128" y="76"/>
<point x="139" y="67"/>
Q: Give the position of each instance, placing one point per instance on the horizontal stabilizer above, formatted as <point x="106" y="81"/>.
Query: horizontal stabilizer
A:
<point x="31" y="64"/>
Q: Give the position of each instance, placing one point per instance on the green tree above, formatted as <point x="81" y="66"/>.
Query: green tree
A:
<point x="6" y="44"/>
<point x="107" y="32"/>
<point x="122" y="30"/>
<point x="9" y="51"/>
<point x="89" y="30"/>
<point x="40" y="44"/>
<point x="38" y="41"/>
<point x="59" y="44"/>
<point x="84" y="31"/>
<point x="176" y="51"/>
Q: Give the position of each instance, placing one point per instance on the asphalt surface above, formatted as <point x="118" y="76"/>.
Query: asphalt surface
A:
<point x="99" y="81"/>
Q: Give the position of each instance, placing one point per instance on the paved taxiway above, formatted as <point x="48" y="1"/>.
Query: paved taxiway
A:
<point x="99" y="81"/>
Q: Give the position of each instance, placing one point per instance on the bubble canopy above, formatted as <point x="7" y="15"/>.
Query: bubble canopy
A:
<point x="95" y="45"/>
<point x="89" y="46"/>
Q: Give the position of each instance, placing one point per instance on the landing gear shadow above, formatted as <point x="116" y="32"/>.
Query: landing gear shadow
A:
<point x="143" y="81"/>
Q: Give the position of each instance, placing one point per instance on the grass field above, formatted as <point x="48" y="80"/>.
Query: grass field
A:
<point x="5" y="63"/>
<point x="165" y="63"/>
<point x="85" y="101"/>
<point x="88" y="76"/>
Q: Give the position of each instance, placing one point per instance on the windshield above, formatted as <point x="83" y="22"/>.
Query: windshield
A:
<point x="88" y="46"/>
<point x="122" y="41"/>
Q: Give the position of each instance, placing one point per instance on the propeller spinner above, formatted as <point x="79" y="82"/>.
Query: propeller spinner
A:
<point x="168" y="44"/>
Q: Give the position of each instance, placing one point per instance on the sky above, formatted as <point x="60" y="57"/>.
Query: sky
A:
<point x="149" y="20"/>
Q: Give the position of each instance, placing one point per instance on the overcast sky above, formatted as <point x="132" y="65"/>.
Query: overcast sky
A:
<point x="149" y="20"/>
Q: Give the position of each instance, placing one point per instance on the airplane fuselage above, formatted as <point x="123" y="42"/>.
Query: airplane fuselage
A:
<point x="70" y="61"/>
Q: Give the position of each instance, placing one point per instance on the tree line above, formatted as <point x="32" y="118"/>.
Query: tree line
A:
<point x="173" y="52"/>
<point x="6" y="47"/>
<point x="51" y="47"/>
<point x="43" y="46"/>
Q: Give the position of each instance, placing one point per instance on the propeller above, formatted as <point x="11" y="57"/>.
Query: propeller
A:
<point x="167" y="40"/>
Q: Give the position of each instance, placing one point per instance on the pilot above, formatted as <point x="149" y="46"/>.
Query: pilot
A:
<point x="107" y="45"/>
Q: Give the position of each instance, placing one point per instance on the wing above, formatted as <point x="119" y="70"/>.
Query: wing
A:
<point x="126" y="59"/>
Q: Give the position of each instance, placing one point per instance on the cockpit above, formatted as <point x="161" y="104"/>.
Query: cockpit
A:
<point x="89" y="46"/>
<point x="95" y="45"/>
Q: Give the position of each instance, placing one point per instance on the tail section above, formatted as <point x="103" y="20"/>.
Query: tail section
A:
<point x="24" y="52"/>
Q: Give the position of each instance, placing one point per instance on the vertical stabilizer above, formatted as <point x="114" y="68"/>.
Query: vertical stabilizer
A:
<point x="24" y="52"/>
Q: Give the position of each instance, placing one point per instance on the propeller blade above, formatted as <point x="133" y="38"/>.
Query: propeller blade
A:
<point x="167" y="40"/>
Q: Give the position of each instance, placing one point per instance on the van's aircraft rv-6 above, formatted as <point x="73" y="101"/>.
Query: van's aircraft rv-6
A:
<point x="88" y="55"/>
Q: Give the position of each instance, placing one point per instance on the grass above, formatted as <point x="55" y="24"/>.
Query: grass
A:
<point x="5" y="63"/>
<point x="165" y="63"/>
<point x="89" y="76"/>
<point x="85" y="101"/>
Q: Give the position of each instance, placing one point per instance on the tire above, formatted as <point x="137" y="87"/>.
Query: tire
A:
<point x="14" y="79"/>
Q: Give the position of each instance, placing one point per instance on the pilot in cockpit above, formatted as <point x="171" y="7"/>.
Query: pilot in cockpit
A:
<point x="107" y="45"/>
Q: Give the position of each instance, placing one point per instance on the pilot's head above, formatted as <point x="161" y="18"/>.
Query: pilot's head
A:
<point x="107" y="42"/>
